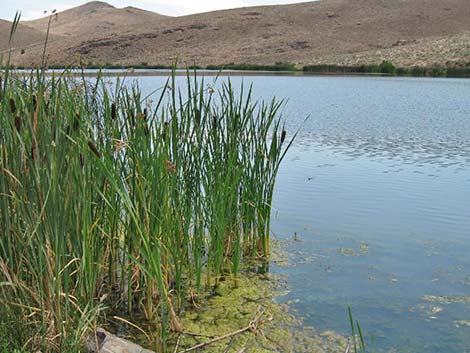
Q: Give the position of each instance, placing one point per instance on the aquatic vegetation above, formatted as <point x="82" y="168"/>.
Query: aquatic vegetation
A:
<point x="278" y="330"/>
<point x="462" y="323"/>
<point x="358" y="342"/>
<point x="112" y="206"/>
<point x="446" y="299"/>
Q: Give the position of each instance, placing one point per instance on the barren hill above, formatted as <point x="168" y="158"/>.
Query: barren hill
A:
<point x="94" y="18"/>
<point x="24" y="36"/>
<point x="326" y="31"/>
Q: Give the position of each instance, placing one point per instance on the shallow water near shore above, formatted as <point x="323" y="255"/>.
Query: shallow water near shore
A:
<point x="377" y="189"/>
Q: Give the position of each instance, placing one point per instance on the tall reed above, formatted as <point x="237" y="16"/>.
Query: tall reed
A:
<point x="110" y="205"/>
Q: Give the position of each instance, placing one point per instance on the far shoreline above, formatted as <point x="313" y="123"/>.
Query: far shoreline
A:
<point x="112" y="71"/>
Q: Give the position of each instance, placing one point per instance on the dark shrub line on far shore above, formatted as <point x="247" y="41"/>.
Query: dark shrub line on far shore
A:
<point x="385" y="68"/>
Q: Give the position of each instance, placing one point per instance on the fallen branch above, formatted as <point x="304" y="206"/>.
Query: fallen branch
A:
<point x="252" y="326"/>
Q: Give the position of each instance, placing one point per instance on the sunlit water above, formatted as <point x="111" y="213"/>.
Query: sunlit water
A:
<point x="377" y="188"/>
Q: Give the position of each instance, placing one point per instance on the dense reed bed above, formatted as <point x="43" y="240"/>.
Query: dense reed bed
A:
<point x="110" y="205"/>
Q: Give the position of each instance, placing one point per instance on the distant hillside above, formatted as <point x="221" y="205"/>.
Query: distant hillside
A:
<point x="24" y="36"/>
<point x="407" y="32"/>
<point x="94" y="19"/>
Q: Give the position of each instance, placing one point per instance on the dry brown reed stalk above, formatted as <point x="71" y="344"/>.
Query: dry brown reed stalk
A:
<point x="252" y="326"/>
<point x="170" y="167"/>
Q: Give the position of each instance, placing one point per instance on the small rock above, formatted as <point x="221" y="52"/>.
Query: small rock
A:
<point x="105" y="342"/>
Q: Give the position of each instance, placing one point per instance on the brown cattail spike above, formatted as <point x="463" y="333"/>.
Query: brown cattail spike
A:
<point x="93" y="149"/>
<point x="18" y="123"/>
<point x="12" y="105"/>
<point x="113" y="111"/>
<point x="76" y="122"/>
<point x="283" y="136"/>
<point x="34" y="151"/>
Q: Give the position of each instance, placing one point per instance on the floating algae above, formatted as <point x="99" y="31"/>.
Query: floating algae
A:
<point x="289" y="259"/>
<point x="362" y="250"/>
<point x="229" y="309"/>
<point x="446" y="299"/>
<point x="462" y="323"/>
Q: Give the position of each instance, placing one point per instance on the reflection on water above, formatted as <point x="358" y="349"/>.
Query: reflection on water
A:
<point x="383" y="212"/>
<point x="383" y="233"/>
<point x="377" y="188"/>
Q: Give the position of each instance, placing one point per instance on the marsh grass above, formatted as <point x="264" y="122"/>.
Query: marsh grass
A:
<point x="110" y="206"/>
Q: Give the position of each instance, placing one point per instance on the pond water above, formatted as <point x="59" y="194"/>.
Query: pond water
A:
<point x="377" y="189"/>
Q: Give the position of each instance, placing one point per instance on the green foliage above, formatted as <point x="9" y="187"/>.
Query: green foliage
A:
<point x="279" y="66"/>
<point x="357" y="336"/>
<point x="109" y="204"/>
<point x="387" y="68"/>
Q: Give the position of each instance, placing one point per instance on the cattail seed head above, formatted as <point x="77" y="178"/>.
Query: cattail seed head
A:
<point x="34" y="152"/>
<point x="76" y="121"/>
<point x="18" y="123"/>
<point x="35" y="101"/>
<point x="283" y="136"/>
<point x="113" y="111"/>
<point x="12" y="105"/>
<point x="165" y="128"/>
<point x="93" y="149"/>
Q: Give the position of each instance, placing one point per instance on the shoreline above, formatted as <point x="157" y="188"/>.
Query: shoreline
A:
<point x="131" y="72"/>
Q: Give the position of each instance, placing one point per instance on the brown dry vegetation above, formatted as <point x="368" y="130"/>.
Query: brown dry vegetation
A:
<point x="418" y="32"/>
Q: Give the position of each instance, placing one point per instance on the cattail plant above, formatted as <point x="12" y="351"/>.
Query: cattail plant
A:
<point x="123" y="210"/>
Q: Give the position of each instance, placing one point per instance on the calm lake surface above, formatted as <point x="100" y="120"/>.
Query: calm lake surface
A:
<point x="377" y="188"/>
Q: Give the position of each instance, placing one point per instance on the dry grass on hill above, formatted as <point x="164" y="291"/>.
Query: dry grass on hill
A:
<point x="418" y="32"/>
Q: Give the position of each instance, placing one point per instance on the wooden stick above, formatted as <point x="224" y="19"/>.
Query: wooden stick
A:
<point x="251" y="327"/>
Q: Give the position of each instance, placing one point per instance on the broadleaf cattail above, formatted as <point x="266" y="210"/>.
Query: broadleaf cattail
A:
<point x="93" y="149"/>
<point x="76" y="121"/>
<point x="283" y="136"/>
<point x="12" y="105"/>
<point x="165" y="128"/>
<point x="113" y="111"/>
<point x="18" y="123"/>
<point x="34" y="151"/>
